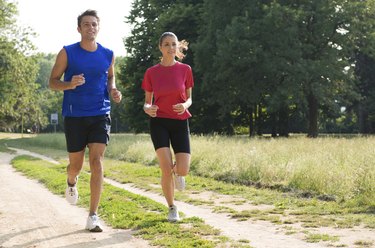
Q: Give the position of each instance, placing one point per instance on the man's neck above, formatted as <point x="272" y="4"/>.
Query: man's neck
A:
<point x="90" y="46"/>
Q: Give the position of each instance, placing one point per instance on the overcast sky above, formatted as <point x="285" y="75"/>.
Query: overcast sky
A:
<point x="55" y="22"/>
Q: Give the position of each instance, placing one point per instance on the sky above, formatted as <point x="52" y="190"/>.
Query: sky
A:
<point x="55" y="22"/>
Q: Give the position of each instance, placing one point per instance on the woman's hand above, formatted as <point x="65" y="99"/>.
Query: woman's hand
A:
<point x="150" y="109"/>
<point x="179" y="108"/>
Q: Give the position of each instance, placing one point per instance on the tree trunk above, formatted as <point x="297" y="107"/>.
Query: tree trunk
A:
<point x="273" y="125"/>
<point x="284" y="121"/>
<point x="313" y="116"/>
<point x="363" y="120"/>
<point x="251" y="123"/>
<point x="259" y="120"/>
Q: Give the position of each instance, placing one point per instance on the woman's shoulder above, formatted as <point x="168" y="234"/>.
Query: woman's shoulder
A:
<point x="153" y="68"/>
<point x="183" y="66"/>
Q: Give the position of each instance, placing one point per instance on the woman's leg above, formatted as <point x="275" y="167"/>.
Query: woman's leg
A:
<point x="182" y="163"/>
<point x="165" y="162"/>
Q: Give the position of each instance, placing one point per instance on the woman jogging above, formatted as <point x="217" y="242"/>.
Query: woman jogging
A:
<point x="168" y="95"/>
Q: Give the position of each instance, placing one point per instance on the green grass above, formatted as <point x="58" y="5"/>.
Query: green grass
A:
<point x="364" y="243"/>
<point x="291" y="176"/>
<point x="317" y="237"/>
<point x="341" y="169"/>
<point x="122" y="209"/>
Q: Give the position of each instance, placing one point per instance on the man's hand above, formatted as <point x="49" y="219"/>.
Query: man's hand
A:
<point x="116" y="95"/>
<point x="77" y="80"/>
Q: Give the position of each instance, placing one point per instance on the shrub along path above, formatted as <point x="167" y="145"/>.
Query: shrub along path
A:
<point x="261" y="234"/>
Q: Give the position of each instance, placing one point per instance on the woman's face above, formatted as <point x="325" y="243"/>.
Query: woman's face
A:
<point x="168" y="47"/>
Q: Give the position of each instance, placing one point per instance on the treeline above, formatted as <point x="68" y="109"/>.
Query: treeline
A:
<point x="274" y="67"/>
<point x="20" y="101"/>
<point x="263" y="66"/>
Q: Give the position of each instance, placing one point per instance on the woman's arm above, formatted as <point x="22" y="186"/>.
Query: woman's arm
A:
<point x="180" y="108"/>
<point x="148" y="107"/>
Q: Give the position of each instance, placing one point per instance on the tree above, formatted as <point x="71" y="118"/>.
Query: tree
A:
<point x="255" y="58"/>
<point x="139" y="45"/>
<point x="363" y="58"/>
<point x="321" y="67"/>
<point x="18" y="72"/>
<point x="49" y="101"/>
<point x="149" y="19"/>
<point x="213" y="115"/>
<point x="120" y="119"/>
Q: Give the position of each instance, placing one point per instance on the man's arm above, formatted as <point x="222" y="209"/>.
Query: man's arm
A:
<point x="55" y="82"/>
<point x="111" y="83"/>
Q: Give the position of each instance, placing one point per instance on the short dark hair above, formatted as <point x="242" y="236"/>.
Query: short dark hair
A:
<point x="88" y="12"/>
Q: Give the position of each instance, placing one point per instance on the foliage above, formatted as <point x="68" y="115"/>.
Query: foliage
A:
<point x="18" y="90"/>
<point x="139" y="46"/>
<point x="363" y="58"/>
<point x="270" y="66"/>
<point x="149" y="20"/>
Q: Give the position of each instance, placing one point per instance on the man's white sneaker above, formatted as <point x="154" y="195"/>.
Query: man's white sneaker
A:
<point x="93" y="224"/>
<point x="179" y="182"/>
<point x="71" y="193"/>
<point x="173" y="215"/>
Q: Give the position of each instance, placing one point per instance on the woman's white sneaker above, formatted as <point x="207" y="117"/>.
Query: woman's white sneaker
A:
<point x="173" y="215"/>
<point x="93" y="224"/>
<point x="179" y="182"/>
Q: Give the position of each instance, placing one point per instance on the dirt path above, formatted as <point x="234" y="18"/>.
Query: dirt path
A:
<point x="260" y="235"/>
<point x="59" y="227"/>
<point x="33" y="217"/>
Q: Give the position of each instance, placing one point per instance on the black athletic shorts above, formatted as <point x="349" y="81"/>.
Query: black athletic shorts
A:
<point x="166" y="131"/>
<point x="80" y="131"/>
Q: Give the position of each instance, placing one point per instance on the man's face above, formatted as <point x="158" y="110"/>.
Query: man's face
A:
<point x="89" y="27"/>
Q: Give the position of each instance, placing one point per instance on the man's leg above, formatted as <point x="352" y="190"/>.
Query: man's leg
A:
<point x="73" y="169"/>
<point x="76" y="160"/>
<point x="96" y="156"/>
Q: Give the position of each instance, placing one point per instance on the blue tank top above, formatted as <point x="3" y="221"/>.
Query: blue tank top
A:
<point x="91" y="98"/>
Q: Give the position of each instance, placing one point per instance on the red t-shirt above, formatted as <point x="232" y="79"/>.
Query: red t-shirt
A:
<point x="169" y="84"/>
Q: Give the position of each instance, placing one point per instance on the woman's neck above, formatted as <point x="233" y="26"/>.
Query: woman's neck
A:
<point x="167" y="62"/>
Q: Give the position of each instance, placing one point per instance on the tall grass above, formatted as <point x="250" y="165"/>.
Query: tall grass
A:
<point x="341" y="167"/>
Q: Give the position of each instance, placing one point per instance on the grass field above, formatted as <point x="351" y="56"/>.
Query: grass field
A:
<point x="340" y="169"/>
<point x="324" y="182"/>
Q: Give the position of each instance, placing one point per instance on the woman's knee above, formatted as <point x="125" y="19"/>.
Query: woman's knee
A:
<point x="182" y="169"/>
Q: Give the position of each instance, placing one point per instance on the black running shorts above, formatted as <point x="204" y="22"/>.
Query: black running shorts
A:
<point x="166" y="132"/>
<point x="80" y="131"/>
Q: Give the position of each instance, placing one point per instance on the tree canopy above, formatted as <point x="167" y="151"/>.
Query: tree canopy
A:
<point x="259" y="67"/>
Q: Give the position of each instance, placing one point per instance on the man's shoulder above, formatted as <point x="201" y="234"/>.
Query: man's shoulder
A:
<point x="100" y="46"/>
<point x="72" y="45"/>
